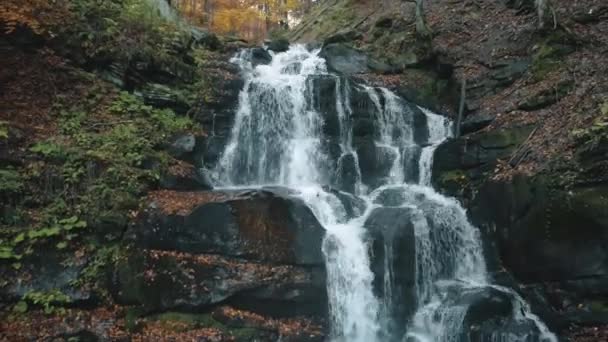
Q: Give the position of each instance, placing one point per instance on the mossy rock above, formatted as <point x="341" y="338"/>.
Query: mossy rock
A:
<point x="547" y="97"/>
<point x="549" y="54"/>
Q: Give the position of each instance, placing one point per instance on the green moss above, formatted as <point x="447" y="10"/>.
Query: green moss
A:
<point x="549" y="54"/>
<point x="51" y="301"/>
<point x="599" y="307"/>
<point x="453" y="176"/>
<point x="244" y="334"/>
<point x="11" y="181"/>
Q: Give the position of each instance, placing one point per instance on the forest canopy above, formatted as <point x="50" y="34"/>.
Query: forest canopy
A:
<point x="249" y="19"/>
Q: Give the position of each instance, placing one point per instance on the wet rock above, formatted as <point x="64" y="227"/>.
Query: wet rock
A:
<point x="393" y="240"/>
<point x="345" y="60"/>
<point x="374" y="161"/>
<point x="260" y="56"/>
<point x="323" y="91"/>
<point x="353" y="205"/>
<point x="490" y="316"/>
<point x="347" y="173"/>
<point x="278" y="45"/>
<point x="258" y="225"/>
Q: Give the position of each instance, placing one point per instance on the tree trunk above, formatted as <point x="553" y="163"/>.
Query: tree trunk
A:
<point x="422" y="29"/>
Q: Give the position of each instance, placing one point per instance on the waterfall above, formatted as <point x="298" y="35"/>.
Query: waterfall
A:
<point x="283" y="136"/>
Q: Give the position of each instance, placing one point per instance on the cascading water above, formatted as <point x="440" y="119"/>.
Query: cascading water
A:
<point x="279" y="138"/>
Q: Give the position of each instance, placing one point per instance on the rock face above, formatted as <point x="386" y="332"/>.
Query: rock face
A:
<point x="216" y="113"/>
<point x="548" y="236"/>
<point x="259" y="249"/>
<point x="461" y="162"/>
<point x="344" y="59"/>
<point x="552" y="240"/>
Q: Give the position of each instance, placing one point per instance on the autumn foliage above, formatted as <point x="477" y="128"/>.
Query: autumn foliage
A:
<point x="249" y="19"/>
<point x="36" y="15"/>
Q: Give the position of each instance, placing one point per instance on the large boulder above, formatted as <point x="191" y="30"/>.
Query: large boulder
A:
<point x="259" y="250"/>
<point x="259" y="225"/>
<point x="278" y="45"/>
<point x="166" y="280"/>
<point x="490" y="316"/>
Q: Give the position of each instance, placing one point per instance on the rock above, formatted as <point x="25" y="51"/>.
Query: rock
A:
<point x="428" y="89"/>
<point x="353" y="205"/>
<point x="343" y="59"/>
<point x="260" y="56"/>
<point x="161" y="96"/>
<point x="391" y="233"/>
<point x="323" y="90"/>
<point x="163" y="280"/>
<point x="475" y="123"/>
<point x="45" y="274"/>
<point x="343" y="37"/>
<point x="216" y="112"/>
<point x="462" y="160"/>
<point x="205" y="38"/>
<point x="115" y="74"/>
<point x="508" y="71"/>
<point x="347" y="173"/>
<point x="235" y="318"/>
<point x="541" y="221"/>
<point x="258" y="225"/>
<point x="546" y="97"/>
<point x="182" y="144"/>
<point x="520" y="4"/>
<point x="185" y="177"/>
<point x="489" y="316"/>
<point x="278" y="45"/>
<point x="374" y="161"/>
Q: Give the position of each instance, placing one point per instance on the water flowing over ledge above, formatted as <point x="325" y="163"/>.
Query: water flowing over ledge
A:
<point x="402" y="261"/>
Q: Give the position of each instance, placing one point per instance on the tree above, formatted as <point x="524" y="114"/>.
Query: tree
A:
<point x="422" y="30"/>
<point x="250" y="19"/>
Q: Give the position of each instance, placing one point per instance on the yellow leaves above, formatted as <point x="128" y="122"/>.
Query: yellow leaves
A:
<point x="251" y="19"/>
<point x="234" y="20"/>
<point x="14" y="15"/>
<point x="34" y="14"/>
